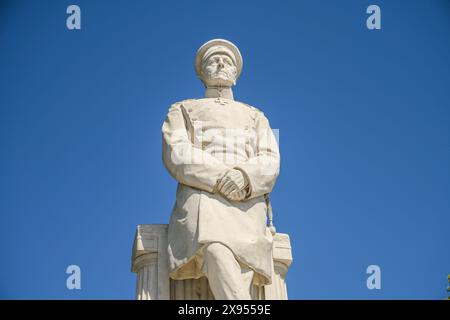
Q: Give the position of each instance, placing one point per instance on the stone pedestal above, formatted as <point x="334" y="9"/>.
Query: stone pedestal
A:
<point x="150" y="263"/>
<point x="282" y="259"/>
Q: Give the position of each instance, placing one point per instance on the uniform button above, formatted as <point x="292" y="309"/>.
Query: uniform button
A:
<point x="246" y="127"/>
<point x="190" y="110"/>
<point x="194" y="119"/>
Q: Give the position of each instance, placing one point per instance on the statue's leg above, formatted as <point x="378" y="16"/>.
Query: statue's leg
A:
<point x="228" y="279"/>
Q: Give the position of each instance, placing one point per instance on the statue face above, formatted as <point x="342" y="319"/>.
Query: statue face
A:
<point x="219" y="70"/>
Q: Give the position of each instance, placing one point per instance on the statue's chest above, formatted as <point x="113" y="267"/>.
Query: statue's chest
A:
<point x="222" y="128"/>
<point x="226" y="116"/>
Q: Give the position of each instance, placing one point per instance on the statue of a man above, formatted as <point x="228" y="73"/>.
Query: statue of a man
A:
<point x="225" y="158"/>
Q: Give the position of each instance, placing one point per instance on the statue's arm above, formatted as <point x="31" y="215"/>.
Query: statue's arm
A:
<point x="186" y="163"/>
<point x="263" y="169"/>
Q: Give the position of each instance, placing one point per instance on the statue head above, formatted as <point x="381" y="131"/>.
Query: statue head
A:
<point x="218" y="63"/>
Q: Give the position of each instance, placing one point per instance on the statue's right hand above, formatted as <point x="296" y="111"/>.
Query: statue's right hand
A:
<point x="237" y="195"/>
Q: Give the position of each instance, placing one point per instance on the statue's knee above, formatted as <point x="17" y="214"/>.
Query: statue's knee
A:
<point x="216" y="250"/>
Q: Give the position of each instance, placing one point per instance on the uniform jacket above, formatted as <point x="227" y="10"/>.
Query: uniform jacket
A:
<point x="202" y="140"/>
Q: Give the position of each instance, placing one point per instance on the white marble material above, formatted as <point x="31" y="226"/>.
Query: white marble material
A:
<point x="149" y="262"/>
<point x="282" y="259"/>
<point x="225" y="158"/>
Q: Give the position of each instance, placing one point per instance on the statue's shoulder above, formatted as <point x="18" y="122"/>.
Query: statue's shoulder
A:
<point x="251" y="108"/>
<point x="182" y="103"/>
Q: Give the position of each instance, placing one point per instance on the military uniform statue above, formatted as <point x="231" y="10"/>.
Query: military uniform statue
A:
<point x="225" y="158"/>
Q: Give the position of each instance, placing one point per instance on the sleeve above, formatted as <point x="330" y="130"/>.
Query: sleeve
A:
<point x="185" y="162"/>
<point x="263" y="169"/>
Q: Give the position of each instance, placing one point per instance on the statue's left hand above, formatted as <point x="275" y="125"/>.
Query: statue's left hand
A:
<point x="233" y="185"/>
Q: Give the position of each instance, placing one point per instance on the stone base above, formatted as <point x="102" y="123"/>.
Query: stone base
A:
<point x="150" y="263"/>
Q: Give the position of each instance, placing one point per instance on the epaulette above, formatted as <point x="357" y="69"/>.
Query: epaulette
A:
<point x="250" y="106"/>
<point x="254" y="109"/>
<point x="182" y="102"/>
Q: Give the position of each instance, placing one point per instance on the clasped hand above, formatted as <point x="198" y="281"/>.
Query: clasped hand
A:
<point x="233" y="185"/>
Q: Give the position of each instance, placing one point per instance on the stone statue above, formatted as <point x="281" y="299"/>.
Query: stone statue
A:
<point x="225" y="158"/>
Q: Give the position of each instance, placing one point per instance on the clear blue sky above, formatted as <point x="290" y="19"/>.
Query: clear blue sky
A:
<point x="364" y="120"/>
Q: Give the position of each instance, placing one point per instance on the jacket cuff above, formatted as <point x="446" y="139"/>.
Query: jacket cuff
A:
<point x="248" y="188"/>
